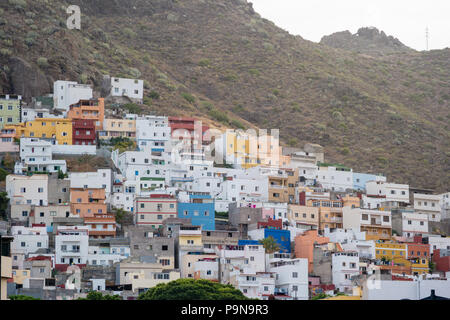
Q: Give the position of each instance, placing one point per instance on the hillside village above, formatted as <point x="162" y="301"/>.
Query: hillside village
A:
<point x="177" y="199"/>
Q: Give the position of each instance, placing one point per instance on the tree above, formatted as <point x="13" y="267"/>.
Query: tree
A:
<point x="320" y="296"/>
<point x="123" y="217"/>
<point x="431" y="266"/>
<point x="190" y="289"/>
<point x="22" y="297"/>
<point x="93" y="295"/>
<point x="270" y="245"/>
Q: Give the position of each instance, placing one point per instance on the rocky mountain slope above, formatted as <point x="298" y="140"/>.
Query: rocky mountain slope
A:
<point x="220" y="61"/>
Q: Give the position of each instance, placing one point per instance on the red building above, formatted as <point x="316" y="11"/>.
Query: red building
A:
<point x="417" y="249"/>
<point x="270" y="223"/>
<point x="442" y="260"/>
<point x="83" y="132"/>
<point x="181" y="125"/>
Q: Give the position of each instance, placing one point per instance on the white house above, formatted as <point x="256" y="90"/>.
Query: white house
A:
<point x="345" y="265"/>
<point x="28" y="189"/>
<point x="30" y="114"/>
<point x="36" y="156"/>
<point x="428" y="204"/>
<point x="256" y="285"/>
<point x="71" y="245"/>
<point x="102" y="178"/>
<point x="29" y="240"/>
<point x="335" y="178"/>
<point x="414" y="223"/>
<point x="153" y="133"/>
<point x="291" y="277"/>
<point x="131" y="88"/>
<point x="445" y="205"/>
<point x="438" y="242"/>
<point x="66" y="93"/>
<point x="97" y="256"/>
<point x="392" y="193"/>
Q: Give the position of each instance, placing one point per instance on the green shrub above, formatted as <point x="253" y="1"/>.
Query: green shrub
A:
<point x="5" y="52"/>
<point x="127" y="32"/>
<point x="219" y="116"/>
<point x="188" y="97"/>
<point x="135" y="72"/>
<point x="154" y="95"/>
<point x="237" y="124"/>
<point x="18" y="4"/>
<point x="292" y="142"/>
<point x="204" y="63"/>
<point x="132" y="108"/>
<point x="42" y="62"/>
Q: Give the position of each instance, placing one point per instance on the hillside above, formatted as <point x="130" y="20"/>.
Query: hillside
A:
<point x="220" y="61"/>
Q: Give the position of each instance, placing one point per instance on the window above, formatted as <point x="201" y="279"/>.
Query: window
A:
<point x="294" y="275"/>
<point x="365" y="217"/>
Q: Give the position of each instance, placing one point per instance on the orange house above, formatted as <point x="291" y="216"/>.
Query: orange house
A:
<point x="101" y="225"/>
<point x="304" y="246"/>
<point x="87" y="202"/>
<point x="93" y="109"/>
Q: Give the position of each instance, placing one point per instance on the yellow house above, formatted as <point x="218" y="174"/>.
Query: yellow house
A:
<point x="390" y="250"/>
<point x="139" y="280"/>
<point x="249" y="150"/>
<point x="419" y="266"/>
<point x="190" y="239"/>
<point x="19" y="276"/>
<point x="114" y="128"/>
<point x="47" y="128"/>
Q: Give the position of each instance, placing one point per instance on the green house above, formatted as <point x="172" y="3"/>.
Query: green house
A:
<point x="10" y="109"/>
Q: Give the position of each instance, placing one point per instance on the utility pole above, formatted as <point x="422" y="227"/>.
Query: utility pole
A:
<point x="427" y="36"/>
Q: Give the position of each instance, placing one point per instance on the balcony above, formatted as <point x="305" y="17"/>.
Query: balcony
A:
<point x="248" y="283"/>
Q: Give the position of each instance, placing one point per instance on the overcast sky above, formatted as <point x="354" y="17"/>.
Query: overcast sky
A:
<point x="406" y="20"/>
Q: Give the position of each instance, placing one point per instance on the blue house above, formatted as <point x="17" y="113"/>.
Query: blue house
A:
<point x="200" y="209"/>
<point x="248" y="243"/>
<point x="282" y="238"/>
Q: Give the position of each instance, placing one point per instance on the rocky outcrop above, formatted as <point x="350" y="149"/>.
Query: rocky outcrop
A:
<point x="366" y="40"/>
<point x="26" y="80"/>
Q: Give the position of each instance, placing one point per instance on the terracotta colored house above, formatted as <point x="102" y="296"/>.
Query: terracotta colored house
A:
<point x="304" y="246"/>
<point x="101" y="225"/>
<point x="87" y="202"/>
<point x="89" y="110"/>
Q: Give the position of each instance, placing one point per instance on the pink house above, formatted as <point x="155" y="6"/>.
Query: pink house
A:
<point x="7" y="143"/>
<point x="267" y="213"/>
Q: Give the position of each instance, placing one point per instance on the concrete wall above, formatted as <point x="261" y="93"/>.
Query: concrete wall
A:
<point x="398" y="290"/>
